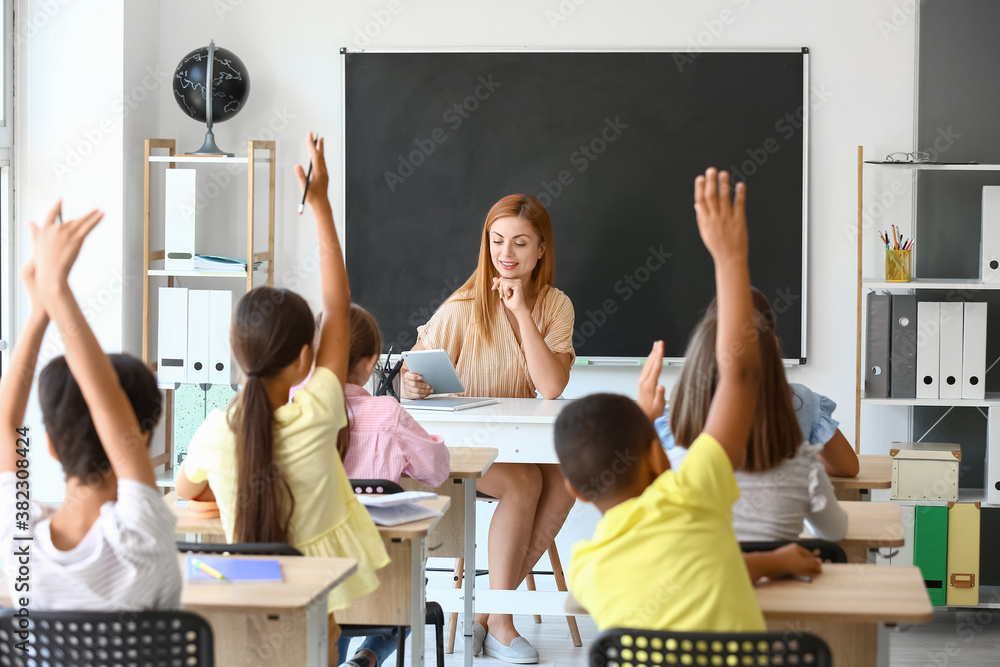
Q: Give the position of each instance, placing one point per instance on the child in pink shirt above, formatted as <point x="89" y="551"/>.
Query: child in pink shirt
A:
<point x="381" y="441"/>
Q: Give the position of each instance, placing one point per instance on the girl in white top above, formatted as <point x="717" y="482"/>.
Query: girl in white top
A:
<point x="782" y="480"/>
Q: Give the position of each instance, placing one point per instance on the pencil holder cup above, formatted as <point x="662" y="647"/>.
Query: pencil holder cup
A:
<point x="897" y="266"/>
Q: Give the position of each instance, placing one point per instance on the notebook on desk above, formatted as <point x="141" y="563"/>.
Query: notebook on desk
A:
<point x="448" y="403"/>
<point x="232" y="569"/>
<point x="396" y="508"/>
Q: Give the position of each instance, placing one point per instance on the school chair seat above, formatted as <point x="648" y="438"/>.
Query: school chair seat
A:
<point x="828" y="552"/>
<point x="106" y="638"/>
<point x="617" y="647"/>
<point x="239" y="548"/>
<point x="435" y="615"/>
<point x="529" y="582"/>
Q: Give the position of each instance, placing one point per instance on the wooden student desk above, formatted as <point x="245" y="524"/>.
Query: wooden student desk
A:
<point x="870" y="525"/>
<point x="875" y="473"/>
<point x="455" y="535"/>
<point x="400" y="599"/>
<point x="279" y="623"/>
<point x="844" y="605"/>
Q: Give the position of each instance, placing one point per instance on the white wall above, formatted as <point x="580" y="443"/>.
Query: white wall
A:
<point x="69" y="65"/>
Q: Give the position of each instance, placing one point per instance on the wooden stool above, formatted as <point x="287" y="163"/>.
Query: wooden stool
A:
<point x="557" y="572"/>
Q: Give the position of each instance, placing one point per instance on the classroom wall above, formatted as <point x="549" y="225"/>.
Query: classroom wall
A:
<point x="69" y="144"/>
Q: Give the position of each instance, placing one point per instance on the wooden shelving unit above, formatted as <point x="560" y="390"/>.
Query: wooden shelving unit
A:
<point x="258" y="153"/>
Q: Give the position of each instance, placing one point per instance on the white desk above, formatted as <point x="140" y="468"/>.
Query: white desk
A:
<point x="520" y="428"/>
<point x="521" y="431"/>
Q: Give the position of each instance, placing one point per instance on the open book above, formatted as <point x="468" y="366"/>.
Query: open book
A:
<point x="397" y="508"/>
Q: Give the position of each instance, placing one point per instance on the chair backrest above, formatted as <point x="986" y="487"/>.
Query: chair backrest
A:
<point x="375" y="486"/>
<point x="240" y="548"/>
<point x="828" y="552"/>
<point x="617" y="647"/>
<point x="105" y="638"/>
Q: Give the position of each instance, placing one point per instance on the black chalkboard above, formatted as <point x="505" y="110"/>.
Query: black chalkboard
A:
<point x="611" y="143"/>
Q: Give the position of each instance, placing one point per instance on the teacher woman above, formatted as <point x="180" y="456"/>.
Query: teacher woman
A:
<point x="509" y="333"/>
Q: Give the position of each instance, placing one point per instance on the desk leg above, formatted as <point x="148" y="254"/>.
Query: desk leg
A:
<point x="318" y="633"/>
<point x="469" y="580"/>
<point x="418" y="601"/>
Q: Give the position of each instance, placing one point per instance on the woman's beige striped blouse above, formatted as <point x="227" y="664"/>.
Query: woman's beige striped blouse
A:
<point x="497" y="367"/>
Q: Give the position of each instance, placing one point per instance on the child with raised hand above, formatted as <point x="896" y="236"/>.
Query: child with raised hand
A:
<point x="110" y="545"/>
<point x="794" y="437"/>
<point x="272" y="464"/>
<point x="664" y="555"/>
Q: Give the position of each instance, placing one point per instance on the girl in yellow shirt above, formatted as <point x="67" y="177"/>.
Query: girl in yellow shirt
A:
<point x="272" y="465"/>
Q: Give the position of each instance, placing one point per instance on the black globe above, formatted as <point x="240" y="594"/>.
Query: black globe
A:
<point x="230" y="84"/>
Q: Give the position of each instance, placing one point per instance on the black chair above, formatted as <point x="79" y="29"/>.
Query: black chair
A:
<point x="828" y="552"/>
<point x="616" y="647"/>
<point x="435" y="615"/>
<point x="240" y="548"/>
<point x="105" y="639"/>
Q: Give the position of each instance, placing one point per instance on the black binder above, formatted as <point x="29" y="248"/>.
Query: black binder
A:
<point x="903" y="350"/>
<point x="877" y="346"/>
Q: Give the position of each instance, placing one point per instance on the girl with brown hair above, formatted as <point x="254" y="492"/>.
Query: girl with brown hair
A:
<point x="509" y="332"/>
<point x="272" y="464"/>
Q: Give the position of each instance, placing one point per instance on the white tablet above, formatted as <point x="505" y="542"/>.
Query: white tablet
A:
<point x="436" y="369"/>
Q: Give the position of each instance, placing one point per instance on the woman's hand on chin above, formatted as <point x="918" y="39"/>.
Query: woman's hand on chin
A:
<point x="511" y="292"/>
<point x="414" y="386"/>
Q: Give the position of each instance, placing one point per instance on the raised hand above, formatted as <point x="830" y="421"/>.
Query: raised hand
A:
<point x="721" y="223"/>
<point x="652" y="395"/>
<point x="57" y="246"/>
<point x="511" y="292"/>
<point x="319" y="178"/>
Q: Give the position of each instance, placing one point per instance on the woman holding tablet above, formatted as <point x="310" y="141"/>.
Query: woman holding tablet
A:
<point x="509" y="333"/>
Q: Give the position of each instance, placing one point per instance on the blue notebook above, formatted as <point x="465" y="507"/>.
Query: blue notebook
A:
<point x="233" y="569"/>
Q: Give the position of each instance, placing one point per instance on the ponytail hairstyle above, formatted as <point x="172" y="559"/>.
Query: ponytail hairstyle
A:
<point x="480" y="283"/>
<point x="366" y="341"/>
<point x="775" y="435"/>
<point x="271" y="328"/>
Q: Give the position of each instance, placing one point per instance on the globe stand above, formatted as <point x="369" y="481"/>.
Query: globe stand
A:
<point x="209" y="148"/>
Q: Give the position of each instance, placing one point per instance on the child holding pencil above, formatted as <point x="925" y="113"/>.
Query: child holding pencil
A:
<point x="272" y="464"/>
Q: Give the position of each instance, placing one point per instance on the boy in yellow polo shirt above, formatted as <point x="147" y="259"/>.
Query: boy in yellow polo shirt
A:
<point x="664" y="556"/>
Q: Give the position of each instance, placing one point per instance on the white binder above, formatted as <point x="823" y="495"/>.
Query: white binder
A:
<point x="219" y="355"/>
<point x="199" y="311"/>
<point x="171" y="336"/>
<point x="950" y="374"/>
<point x="928" y="348"/>
<point x="180" y="230"/>
<point x="989" y="267"/>
<point x="974" y="352"/>
<point x="993" y="457"/>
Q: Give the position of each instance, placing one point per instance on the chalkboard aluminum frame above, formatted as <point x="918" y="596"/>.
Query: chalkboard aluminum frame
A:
<point x="806" y="123"/>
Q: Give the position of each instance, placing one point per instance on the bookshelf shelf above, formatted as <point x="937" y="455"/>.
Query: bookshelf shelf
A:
<point x="929" y="283"/>
<point x="992" y="400"/>
<point x="934" y="167"/>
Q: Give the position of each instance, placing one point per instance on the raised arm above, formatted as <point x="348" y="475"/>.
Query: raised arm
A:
<point x="723" y="228"/>
<point x="15" y="387"/>
<point x="335" y="332"/>
<point x="56" y="249"/>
